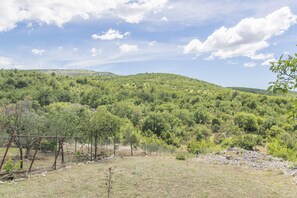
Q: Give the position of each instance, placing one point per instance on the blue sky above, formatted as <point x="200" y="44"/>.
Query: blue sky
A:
<point x="226" y="42"/>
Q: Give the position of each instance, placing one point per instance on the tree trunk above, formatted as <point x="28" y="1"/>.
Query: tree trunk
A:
<point x="114" y="146"/>
<point x="96" y="146"/>
<point x="75" y="144"/>
<point x="131" y="146"/>
<point x="91" y="149"/>
<point x="28" y="149"/>
<point x="21" y="157"/>
<point x="62" y="152"/>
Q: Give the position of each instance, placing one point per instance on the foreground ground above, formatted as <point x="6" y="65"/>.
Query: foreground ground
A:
<point x="153" y="177"/>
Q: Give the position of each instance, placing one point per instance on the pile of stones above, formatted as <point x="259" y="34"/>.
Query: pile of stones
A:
<point x="251" y="159"/>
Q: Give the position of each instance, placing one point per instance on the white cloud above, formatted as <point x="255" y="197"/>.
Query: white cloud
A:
<point x="74" y="50"/>
<point x="247" y="38"/>
<point x="164" y="19"/>
<point x="250" y="64"/>
<point x="153" y="43"/>
<point x="60" y="12"/>
<point x="38" y="52"/>
<point x="111" y="34"/>
<point x="95" y="52"/>
<point x="231" y="62"/>
<point x="9" y="63"/>
<point x="125" y="48"/>
<point x="135" y="11"/>
<point x="29" y="25"/>
<point x="286" y="53"/>
<point x="268" y="62"/>
<point x="5" y="61"/>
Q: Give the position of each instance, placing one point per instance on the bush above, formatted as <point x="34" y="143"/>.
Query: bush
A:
<point x="154" y="144"/>
<point x="278" y="150"/>
<point x="48" y="145"/>
<point x="180" y="156"/>
<point x="200" y="147"/>
<point x="202" y="133"/>
<point x="10" y="166"/>
<point x="227" y="143"/>
<point x="246" y="121"/>
<point x="247" y="141"/>
<point x="219" y="138"/>
<point x="274" y="131"/>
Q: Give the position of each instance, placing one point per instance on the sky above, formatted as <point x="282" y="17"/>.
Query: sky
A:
<point x="225" y="42"/>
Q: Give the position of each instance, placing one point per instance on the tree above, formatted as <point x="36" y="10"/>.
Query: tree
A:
<point x="63" y="119"/>
<point x="131" y="136"/>
<point x="20" y="119"/>
<point x="156" y="123"/>
<point x="286" y="70"/>
<point x="103" y="125"/>
<point x="246" y="121"/>
<point x="286" y="74"/>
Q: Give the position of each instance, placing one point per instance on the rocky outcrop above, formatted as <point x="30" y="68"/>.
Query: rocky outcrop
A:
<point x="251" y="159"/>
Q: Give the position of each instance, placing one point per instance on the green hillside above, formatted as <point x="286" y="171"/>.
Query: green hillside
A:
<point x="161" y="109"/>
<point x="75" y="72"/>
<point x="250" y="90"/>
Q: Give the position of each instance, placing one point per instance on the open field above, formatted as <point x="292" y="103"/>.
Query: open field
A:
<point x="154" y="177"/>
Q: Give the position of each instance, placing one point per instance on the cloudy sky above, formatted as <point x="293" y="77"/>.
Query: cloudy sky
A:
<point x="226" y="42"/>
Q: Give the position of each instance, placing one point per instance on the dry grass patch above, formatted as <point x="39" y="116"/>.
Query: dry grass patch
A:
<point x="154" y="177"/>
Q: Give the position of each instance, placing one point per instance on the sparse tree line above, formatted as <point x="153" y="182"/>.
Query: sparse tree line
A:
<point x="153" y="110"/>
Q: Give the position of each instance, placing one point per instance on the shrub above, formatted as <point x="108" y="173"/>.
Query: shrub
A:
<point x="219" y="138"/>
<point x="247" y="141"/>
<point x="202" y="133"/>
<point x="274" y="131"/>
<point x="227" y="143"/>
<point x="180" y="156"/>
<point x="48" y="145"/>
<point x="154" y="144"/>
<point x="10" y="166"/>
<point x="200" y="147"/>
<point x="246" y="121"/>
<point x="276" y="149"/>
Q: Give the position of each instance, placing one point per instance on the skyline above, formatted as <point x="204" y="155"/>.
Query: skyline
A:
<point x="228" y="43"/>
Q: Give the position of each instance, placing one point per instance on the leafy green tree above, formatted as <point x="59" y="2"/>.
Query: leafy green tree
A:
<point x="247" y="141"/>
<point x="156" y="123"/>
<point x="63" y="119"/>
<point x="104" y="125"/>
<point x="246" y="121"/>
<point x="286" y="71"/>
<point x="131" y="136"/>
<point x="201" y="116"/>
<point x="20" y="120"/>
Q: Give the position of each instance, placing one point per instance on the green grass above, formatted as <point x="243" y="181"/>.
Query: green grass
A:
<point x="154" y="177"/>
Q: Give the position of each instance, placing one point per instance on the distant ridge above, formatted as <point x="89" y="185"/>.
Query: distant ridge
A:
<point x="250" y="90"/>
<point x="75" y="72"/>
<point x="257" y="91"/>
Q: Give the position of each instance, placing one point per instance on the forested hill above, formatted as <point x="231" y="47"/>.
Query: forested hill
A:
<point x="164" y="108"/>
<point x="258" y="91"/>
<point x="250" y="90"/>
<point x="75" y="72"/>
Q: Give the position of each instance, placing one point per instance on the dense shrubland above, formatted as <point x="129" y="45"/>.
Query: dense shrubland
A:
<point x="149" y="110"/>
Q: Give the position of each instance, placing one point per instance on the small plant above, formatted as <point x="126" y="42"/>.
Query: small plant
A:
<point x="180" y="156"/>
<point x="78" y="155"/>
<point x="109" y="182"/>
<point x="46" y="145"/>
<point x="10" y="166"/>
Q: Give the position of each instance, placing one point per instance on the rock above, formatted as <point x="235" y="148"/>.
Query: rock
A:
<point x="250" y="159"/>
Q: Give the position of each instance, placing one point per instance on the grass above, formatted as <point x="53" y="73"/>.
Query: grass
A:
<point x="154" y="177"/>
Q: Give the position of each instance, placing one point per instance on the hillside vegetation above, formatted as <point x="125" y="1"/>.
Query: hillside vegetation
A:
<point x="156" y="110"/>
